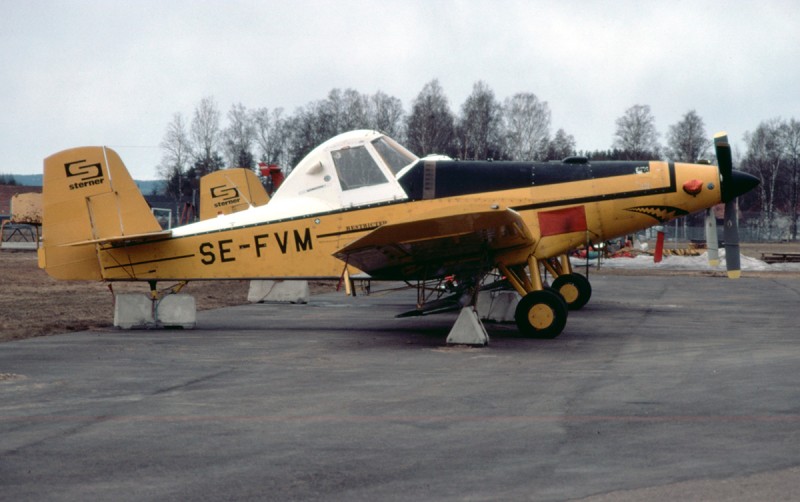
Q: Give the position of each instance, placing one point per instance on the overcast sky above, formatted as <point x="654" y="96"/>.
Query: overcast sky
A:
<point x="114" y="72"/>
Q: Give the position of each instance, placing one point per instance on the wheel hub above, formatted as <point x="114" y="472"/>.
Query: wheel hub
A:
<point x="541" y="316"/>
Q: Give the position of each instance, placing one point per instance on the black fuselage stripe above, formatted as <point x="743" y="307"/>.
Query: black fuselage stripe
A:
<point x="599" y="198"/>
<point x="148" y="262"/>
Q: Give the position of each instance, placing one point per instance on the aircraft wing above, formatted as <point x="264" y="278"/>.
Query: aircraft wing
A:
<point x="438" y="245"/>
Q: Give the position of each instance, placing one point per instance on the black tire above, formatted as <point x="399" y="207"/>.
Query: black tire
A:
<point x="541" y="314"/>
<point x="550" y="288"/>
<point x="574" y="288"/>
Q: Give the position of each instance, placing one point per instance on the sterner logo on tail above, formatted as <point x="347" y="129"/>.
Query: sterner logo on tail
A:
<point x="87" y="174"/>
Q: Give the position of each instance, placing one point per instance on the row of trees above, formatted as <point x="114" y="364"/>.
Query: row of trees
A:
<point x="517" y="128"/>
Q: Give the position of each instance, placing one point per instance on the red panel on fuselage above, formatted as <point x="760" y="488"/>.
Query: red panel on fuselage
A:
<point x="562" y="221"/>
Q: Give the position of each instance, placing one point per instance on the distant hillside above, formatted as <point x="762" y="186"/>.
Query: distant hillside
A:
<point x="28" y="180"/>
<point x="35" y="180"/>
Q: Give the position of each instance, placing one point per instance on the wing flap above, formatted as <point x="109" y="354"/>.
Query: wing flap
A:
<point x="438" y="245"/>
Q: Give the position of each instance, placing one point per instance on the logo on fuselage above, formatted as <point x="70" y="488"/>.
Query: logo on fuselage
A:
<point x="86" y="174"/>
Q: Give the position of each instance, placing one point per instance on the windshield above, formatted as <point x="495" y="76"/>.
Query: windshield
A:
<point x="395" y="159"/>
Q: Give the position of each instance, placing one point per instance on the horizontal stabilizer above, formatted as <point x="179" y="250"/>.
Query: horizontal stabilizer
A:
<point x="127" y="239"/>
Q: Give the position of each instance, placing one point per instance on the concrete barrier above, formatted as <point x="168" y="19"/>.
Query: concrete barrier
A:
<point x="497" y="305"/>
<point x="133" y="310"/>
<point x="278" y="291"/>
<point x="468" y="330"/>
<point x="138" y="311"/>
<point x="176" y="311"/>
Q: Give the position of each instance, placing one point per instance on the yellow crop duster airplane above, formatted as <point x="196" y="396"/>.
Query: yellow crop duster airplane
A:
<point x="360" y="203"/>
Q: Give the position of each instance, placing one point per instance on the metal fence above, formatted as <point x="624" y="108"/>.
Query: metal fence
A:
<point x="748" y="232"/>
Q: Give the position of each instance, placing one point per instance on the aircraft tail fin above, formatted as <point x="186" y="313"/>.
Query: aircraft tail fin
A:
<point x="230" y="190"/>
<point x="88" y="195"/>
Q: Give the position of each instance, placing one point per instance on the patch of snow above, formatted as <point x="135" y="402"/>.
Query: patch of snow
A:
<point x="693" y="263"/>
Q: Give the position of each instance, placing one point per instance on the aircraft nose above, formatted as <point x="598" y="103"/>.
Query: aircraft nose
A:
<point x="742" y="183"/>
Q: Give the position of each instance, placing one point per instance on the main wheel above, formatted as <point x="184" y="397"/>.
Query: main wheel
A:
<point x="574" y="288"/>
<point x="541" y="314"/>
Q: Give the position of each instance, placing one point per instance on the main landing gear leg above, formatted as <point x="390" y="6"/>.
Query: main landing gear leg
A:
<point x="573" y="287"/>
<point x="541" y="312"/>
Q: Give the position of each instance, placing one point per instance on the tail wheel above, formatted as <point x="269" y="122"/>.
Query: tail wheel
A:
<point x="574" y="288"/>
<point x="541" y="314"/>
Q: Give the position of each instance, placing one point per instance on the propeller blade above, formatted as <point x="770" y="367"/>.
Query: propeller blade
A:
<point x="725" y="163"/>
<point x="732" y="261"/>
<point x="712" y="243"/>
<point x="732" y="184"/>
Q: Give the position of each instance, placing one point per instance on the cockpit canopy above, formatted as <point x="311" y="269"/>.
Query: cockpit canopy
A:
<point x="352" y="169"/>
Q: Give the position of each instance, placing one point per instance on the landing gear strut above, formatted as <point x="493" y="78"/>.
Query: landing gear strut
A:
<point x="543" y="311"/>
<point x="573" y="287"/>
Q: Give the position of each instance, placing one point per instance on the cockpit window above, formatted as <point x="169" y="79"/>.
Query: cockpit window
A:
<point x="356" y="168"/>
<point x="395" y="159"/>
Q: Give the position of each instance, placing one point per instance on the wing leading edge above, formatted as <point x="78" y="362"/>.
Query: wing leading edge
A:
<point x="438" y="245"/>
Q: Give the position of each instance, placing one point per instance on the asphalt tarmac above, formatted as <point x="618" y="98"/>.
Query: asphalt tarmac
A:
<point x="661" y="388"/>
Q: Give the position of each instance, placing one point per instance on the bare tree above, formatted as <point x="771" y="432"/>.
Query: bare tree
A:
<point x="271" y="135"/>
<point x="238" y="137"/>
<point x="764" y="159"/>
<point x="307" y="128"/>
<point x="385" y="114"/>
<point x="319" y="121"/>
<point x="176" y="156"/>
<point x="480" y="125"/>
<point x="347" y="110"/>
<point x="636" y="134"/>
<point x="791" y="145"/>
<point x="527" y="125"/>
<point x="687" y="140"/>
<point x="561" y="146"/>
<point x="205" y="133"/>
<point x="430" y="125"/>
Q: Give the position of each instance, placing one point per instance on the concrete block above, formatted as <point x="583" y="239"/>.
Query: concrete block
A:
<point x="178" y="310"/>
<point x="468" y="329"/>
<point x="498" y="305"/>
<point x="278" y="291"/>
<point x="133" y="310"/>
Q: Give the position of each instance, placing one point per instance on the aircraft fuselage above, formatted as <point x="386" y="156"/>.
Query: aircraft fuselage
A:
<point x="563" y="204"/>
